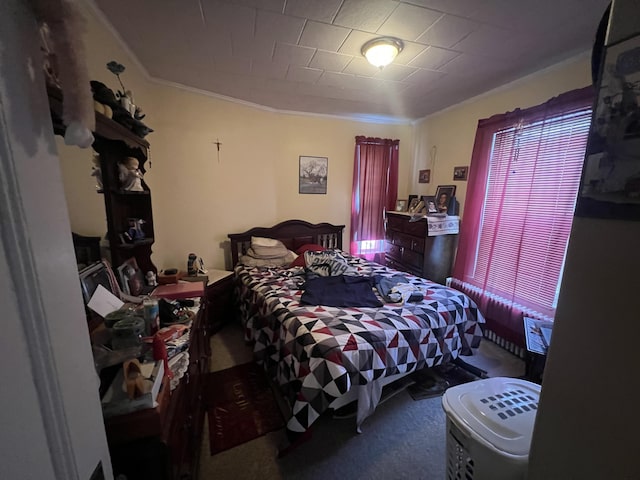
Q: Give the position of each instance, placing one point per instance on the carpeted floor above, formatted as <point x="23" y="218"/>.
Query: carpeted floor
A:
<point x="403" y="439"/>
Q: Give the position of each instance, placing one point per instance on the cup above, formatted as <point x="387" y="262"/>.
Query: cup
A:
<point x="151" y="316"/>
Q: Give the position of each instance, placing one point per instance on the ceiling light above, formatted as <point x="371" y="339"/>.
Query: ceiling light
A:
<point x="380" y="52"/>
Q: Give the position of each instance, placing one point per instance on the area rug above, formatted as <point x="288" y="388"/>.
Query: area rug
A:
<point x="432" y="382"/>
<point x="240" y="406"/>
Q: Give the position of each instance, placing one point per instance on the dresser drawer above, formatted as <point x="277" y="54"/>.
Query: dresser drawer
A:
<point x="417" y="244"/>
<point x="418" y="229"/>
<point x="412" y="259"/>
<point x="394" y="251"/>
<point x="396" y="222"/>
<point x="403" y="240"/>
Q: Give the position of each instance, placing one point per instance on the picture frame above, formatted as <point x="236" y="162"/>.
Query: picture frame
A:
<point x="312" y="175"/>
<point x="610" y="184"/>
<point x="412" y="202"/>
<point x="460" y="173"/>
<point x="401" y="205"/>
<point x="430" y="204"/>
<point x="131" y="277"/>
<point x="424" y="176"/>
<point x="444" y="194"/>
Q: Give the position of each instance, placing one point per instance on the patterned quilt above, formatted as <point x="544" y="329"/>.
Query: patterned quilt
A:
<point x="321" y="352"/>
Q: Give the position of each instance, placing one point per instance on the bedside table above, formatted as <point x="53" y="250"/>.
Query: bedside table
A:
<point x="219" y="293"/>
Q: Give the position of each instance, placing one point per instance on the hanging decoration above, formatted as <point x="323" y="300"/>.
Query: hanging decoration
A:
<point x="217" y="144"/>
<point x="65" y="26"/>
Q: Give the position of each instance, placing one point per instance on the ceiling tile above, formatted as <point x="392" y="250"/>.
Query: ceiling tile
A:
<point x="303" y="74"/>
<point x="360" y="66"/>
<point x="448" y="31"/>
<point x="323" y="36"/>
<point x="354" y="42"/>
<point x="247" y="47"/>
<point x="232" y="65"/>
<point x="293" y="54"/>
<point x="433" y="58"/>
<point x="395" y="72"/>
<point x="424" y="76"/>
<point x="261" y="68"/>
<point x="409" y="52"/>
<point x="463" y="8"/>
<point x="365" y="15"/>
<point x="408" y="22"/>
<point x="322" y="11"/>
<point x="334" y="62"/>
<point x="271" y="5"/>
<point x="278" y="27"/>
<point x="487" y="40"/>
<point x="335" y="79"/>
<point x="226" y="17"/>
<point x="470" y="64"/>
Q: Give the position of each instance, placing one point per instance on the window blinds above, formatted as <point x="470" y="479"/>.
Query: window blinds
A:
<point x="532" y="187"/>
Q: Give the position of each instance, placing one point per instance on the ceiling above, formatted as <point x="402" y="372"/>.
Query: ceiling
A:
<point x="304" y="55"/>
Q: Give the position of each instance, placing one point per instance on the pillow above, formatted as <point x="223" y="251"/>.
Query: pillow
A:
<point x="299" y="262"/>
<point x="326" y="264"/>
<point x="251" y="261"/>
<point x="310" y="246"/>
<point x="265" y="242"/>
<point x="266" y="248"/>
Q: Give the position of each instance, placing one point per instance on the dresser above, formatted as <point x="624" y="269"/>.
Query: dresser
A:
<point x="410" y="248"/>
<point x="163" y="443"/>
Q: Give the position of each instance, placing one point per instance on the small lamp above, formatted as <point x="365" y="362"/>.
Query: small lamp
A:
<point x="380" y="52"/>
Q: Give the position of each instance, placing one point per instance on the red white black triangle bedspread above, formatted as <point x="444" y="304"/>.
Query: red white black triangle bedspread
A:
<point x="325" y="350"/>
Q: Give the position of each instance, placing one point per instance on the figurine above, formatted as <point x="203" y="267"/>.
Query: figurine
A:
<point x="135" y="232"/>
<point x="96" y="172"/>
<point x="130" y="175"/>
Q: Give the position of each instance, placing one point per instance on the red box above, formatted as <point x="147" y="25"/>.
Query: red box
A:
<point x="175" y="291"/>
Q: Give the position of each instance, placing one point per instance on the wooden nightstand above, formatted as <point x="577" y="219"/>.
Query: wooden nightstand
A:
<point x="219" y="293"/>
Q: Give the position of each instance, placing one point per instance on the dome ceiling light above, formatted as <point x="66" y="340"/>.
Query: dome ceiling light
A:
<point x="380" y="52"/>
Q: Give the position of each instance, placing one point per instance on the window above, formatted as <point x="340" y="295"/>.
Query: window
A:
<point x="528" y="166"/>
<point x="375" y="187"/>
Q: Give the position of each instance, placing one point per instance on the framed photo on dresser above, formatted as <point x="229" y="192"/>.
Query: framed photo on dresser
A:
<point x="444" y="194"/>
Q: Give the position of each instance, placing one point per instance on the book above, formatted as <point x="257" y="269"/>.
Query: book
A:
<point x="175" y="291"/>
<point x="117" y="402"/>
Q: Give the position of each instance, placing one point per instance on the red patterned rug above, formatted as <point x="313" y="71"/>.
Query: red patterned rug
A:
<point x="240" y="406"/>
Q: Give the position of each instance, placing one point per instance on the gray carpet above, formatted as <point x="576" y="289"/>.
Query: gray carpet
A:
<point x="403" y="439"/>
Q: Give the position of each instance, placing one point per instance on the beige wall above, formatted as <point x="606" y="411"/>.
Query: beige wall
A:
<point x="197" y="200"/>
<point x="452" y="132"/>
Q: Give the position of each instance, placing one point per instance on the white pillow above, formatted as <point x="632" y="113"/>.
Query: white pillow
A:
<point x="265" y="242"/>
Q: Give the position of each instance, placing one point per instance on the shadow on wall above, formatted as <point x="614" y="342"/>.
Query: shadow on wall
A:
<point x="226" y="248"/>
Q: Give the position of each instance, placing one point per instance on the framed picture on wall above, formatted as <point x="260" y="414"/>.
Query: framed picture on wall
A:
<point x="460" y="173"/>
<point x="424" y="176"/>
<point x="313" y="174"/>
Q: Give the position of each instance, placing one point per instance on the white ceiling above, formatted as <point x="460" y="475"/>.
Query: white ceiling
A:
<point x="304" y="55"/>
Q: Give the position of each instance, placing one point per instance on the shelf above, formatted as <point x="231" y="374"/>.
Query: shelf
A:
<point x="130" y="246"/>
<point x="106" y="128"/>
<point x="129" y="192"/>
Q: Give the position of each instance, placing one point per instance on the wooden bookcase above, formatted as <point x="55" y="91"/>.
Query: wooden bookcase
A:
<point x="114" y="143"/>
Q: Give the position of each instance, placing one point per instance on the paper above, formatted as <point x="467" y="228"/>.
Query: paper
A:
<point x="103" y="302"/>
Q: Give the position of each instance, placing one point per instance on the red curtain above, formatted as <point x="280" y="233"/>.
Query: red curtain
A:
<point x="375" y="188"/>
<point x="523" y="183"/>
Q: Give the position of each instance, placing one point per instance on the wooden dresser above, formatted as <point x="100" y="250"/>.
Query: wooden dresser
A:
<point x="163" y="443"/>
<point x="410" y="249"/>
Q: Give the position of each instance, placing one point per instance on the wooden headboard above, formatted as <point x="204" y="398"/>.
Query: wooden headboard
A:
<point x="292" y="233"/>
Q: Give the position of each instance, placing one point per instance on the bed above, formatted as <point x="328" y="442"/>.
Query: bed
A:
<point x="327" y="356"/>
